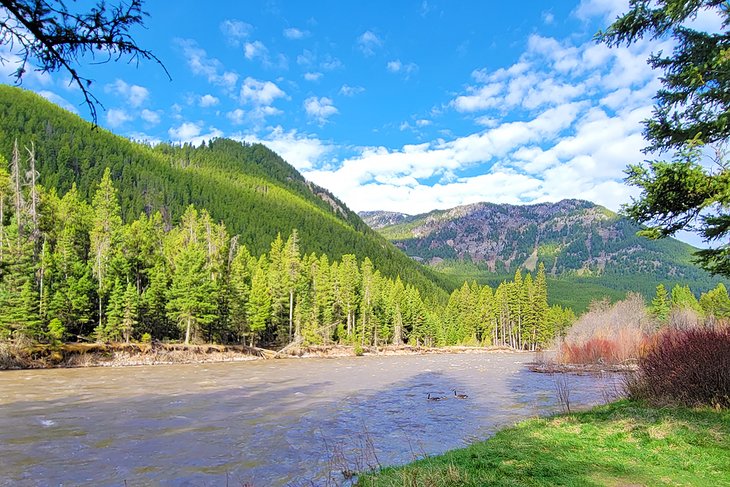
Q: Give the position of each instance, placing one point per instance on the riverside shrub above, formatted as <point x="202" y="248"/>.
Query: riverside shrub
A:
<point x="688" y="367"/>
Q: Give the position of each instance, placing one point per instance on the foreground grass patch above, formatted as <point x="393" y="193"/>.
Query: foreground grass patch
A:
<point x="620" y="444"/>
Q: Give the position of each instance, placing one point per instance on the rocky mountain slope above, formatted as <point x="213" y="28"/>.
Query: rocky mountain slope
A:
<point x="572" y="238"/>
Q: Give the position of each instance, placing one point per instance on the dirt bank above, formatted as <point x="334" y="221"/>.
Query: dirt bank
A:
<point x="127" y="354"/>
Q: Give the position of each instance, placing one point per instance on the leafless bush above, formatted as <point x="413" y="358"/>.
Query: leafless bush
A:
<point x="684" y="319"/>
<point x="562" y="389"/>
<point x="689" y="367"/>
<point x="609" y="334"/>
<point x="362" y="458"/>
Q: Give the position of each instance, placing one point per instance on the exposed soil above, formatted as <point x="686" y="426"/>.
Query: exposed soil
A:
<point x="126" y="354"/>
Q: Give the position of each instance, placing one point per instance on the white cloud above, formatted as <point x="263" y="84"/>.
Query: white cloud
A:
<point x="185" y="131"/>
<point x="302" y="151"/>
<point x="561" y="122"/>
<point x="133" y="95"/>
<point x="191" y="133"/>
<point x="607" y="10"/>
<point x="347" y="90"/>
<point x="548" y="18"/>
<point x="208" y="100"/>
<point x="235" y="30"/>
<point x="150" y="117"/>
<point x="319" y="108"/>
<point x="58" y="100"/>
<point x="369" y="42"/>
<point x="116" y="117"/>
<point x="260" y="92"/>
<point x="313" y="76"/>
<point x="295" y="34"/>
<point x="255" y="49"/>
<point x="211" y="68"/>
<point x="396" y="66"/>
<point x="237" y="116"/>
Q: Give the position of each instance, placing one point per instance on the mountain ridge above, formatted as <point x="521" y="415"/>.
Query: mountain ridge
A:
<point x="574" y="239"/>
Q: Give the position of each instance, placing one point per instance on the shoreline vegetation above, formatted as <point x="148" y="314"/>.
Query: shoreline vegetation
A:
<point x="622" y="443"/>
<point x="75" y="355"/>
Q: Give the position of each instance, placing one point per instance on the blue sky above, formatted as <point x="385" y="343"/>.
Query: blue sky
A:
<point x="406" y="106"/>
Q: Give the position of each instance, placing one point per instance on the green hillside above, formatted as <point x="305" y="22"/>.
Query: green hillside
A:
<point x="248" y="187"/>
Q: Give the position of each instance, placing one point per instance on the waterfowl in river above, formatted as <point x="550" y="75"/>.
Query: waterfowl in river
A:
<point x="459" y="396"/>
<point x="435" y="398"/>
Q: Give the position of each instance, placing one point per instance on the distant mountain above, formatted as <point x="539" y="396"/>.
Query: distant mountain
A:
<point x="575" y="240"/>
<point x="247" y="186"/>
<point x="380" y="219"/>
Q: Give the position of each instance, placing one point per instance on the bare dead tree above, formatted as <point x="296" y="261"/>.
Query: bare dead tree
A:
<point x="51" y="38"/>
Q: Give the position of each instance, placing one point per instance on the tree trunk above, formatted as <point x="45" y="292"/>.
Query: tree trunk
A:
<point x="291" y="312"/>
<point x="187" y="332"/>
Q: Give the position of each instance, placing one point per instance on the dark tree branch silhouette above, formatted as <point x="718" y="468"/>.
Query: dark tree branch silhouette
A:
<point x="46" y="35"/>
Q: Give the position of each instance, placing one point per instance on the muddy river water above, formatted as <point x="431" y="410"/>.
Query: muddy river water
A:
<point x="261" y="423"/>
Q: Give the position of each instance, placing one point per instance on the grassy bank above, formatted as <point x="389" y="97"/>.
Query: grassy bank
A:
<point x="620" y="444"/>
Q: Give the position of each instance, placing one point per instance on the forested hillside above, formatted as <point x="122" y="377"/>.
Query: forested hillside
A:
<point x="254" y="192"/>
<point x="74" y="270"/>
<point x="583" y="246"/>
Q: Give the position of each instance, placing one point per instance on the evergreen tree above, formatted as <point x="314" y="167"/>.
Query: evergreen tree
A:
<point x="661" y="304"/>
<point x="191" y="301"/>
<point x="129" y="319"/>
<point x="104" y="236"/>
<point x="240" y="284"/>
<point x="291" y="265"/>
<point x="259" y="309"/>
<point x="349" y="283"/>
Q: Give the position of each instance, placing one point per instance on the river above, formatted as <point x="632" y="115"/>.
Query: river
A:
<point x="262" y="423"/>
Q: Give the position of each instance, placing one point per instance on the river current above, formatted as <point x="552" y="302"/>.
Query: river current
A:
<point x="262" y="423"/>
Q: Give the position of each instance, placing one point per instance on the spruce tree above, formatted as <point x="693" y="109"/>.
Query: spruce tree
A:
<point x="259" y="309"/>
<point x="104" y="236"/>
<point x="191" y="302"/>
<point x="661" y="304"/>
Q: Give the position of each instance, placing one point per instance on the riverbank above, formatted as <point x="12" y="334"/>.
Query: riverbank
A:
<point x="623" y="443"/>
<point x="133" y="354"/>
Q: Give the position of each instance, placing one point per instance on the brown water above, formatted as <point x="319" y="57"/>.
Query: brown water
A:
<point x="283" y="422"/>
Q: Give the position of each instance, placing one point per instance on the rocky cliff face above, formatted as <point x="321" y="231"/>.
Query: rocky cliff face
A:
<point x="569" y="237"/>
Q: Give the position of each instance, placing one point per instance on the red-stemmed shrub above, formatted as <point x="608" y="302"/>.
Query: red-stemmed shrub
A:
<point x="688" y="367"/>
<point x="609" y="333"/>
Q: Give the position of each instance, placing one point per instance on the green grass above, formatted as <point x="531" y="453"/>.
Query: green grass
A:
<point x="620" y="444"/>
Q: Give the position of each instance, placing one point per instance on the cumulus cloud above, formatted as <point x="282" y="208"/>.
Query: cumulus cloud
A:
<point x="150" y="116"/>
<point x="191" y="132"/>
<point x="319" y="109"/>
<point x="235" y="30"/>
<point x="368" y="42"/>
<point x="255" y="49"/>
<point x="313" y="76"/>
<point x="405" y="69"/>
<point x="116" y="117"/>
<point x="133" y="95"/>
<point x="302" y="151"/>
<point x="347" y="90"/>
<point x="58" y="100"/>
<point x="259" y="92"/>
<point x="212" y="69"/>
<point x="237" y="116"/>
<point x="295" y="34"/>
<point x="562" y="121"/>
<point x="208" y="100"/>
